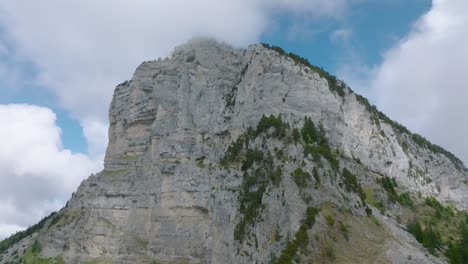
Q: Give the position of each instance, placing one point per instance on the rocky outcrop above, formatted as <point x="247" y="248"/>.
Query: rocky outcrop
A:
<point x="165" y="194"/>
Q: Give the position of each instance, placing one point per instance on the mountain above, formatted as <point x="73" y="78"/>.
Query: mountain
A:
<point x="224" y="155"/>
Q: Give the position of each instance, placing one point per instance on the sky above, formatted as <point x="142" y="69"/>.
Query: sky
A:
<point x="60" y="61"/>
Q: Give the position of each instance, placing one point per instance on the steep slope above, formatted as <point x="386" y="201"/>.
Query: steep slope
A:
<point x="222" y="155"/>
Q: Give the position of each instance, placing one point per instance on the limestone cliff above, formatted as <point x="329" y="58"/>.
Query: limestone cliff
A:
<point x="223" y="155"/>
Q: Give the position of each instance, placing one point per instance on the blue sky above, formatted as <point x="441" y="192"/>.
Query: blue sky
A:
<point x="60" y="61"/>
<point x="373" y="27"/>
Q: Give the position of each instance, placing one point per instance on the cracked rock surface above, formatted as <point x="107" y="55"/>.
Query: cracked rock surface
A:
<point x="164" y="195"/>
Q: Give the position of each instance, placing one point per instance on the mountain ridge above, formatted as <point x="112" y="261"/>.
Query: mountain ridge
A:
<point x="176" y="121"/>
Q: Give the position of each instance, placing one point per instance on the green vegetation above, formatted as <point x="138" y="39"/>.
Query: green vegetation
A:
<point x="250" y="157"/>
<point x="333" y="83"/>
<point x="441" y="228"/>
<point x="458" y="253"/>
<point x="344" y="230"/>
<point x="233" y="153"/>
<point x="309" y="133"/>
<point x="301" y="177"/>
<point x="253" y="188"/>
<point x="201" y="164"/>
<point x="339" y="88"/>
<point x="258" y="167"/>
<point x="351" y="184"/>
<point x="330" y="220"/>
<point x="296" y="135"/>
<point x="440" y="210"/>
<point x="113" y="173"/>
<point x="272" y="122"/>
<point x="8" y="242"/>
<point x="390" y="185"/>
<point x="324" y="151"/>
<point x="428" y="237"/>
<point x="31" y="256"/>
<point x="368" y="211"/>
<point x="424" y="143"/>
<point x="329" y="250"/>
<point x="316" y="143"/>
<point x="300" y="241"/>
<point x="418" y="139"/>
<point x="405" y="199"/>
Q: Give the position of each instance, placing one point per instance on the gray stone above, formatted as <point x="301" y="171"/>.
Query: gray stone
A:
<point x="154" y="201"/>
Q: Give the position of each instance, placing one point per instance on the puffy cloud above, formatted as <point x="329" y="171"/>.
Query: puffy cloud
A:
<point x="421" y="80"/>
<point x="38" y="175"/>
<point x="79" y="51"/>
<point x="82" y="49"/>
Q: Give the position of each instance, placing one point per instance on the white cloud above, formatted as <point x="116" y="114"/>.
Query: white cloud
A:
<point x="422" y="79"/>
<point x="341" y="35"/>
<point x="8" y="229"/>
<point x="80" y="50"/>
<point x="84" y="48"/>
<point x="37" y="174"/>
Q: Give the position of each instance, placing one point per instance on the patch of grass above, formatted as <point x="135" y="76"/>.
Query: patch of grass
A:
<point x="66" y="217"/>
<point x="329" y="251"/>
<point x="344" y="230"/>
<point x="372" y="200"/>
<point x="330" y="220"/>
<point x="113" y="173"/>
<point x="129" y="157"/>
<point x="405" y="199"/>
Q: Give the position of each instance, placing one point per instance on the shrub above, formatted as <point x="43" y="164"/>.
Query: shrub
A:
<point x="405" y="199"/>
<point x="36" y="247"/>
<point x="300" y="177"/>
<point x="428" y="237"/>
<point x="272" y="122"/>
<point x="458" y="253"/>
<point x="301" y="239"/>
<point x="389" y="185"/>
<point x="351" y="184"/>
<point x="344" y="230"/>
<point x="250" y="157"/>
<point x="311" y="213"/>
<point x="296" y="135"/>
<point x="309" y="133"/>
<point x="368" y="211"/>
<point x="324" y="151"/>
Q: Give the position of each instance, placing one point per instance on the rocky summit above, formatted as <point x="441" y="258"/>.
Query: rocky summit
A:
<point x="225" y="155"/>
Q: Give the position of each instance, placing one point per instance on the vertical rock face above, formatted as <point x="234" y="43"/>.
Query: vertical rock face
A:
<point x="164" y="195"/>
